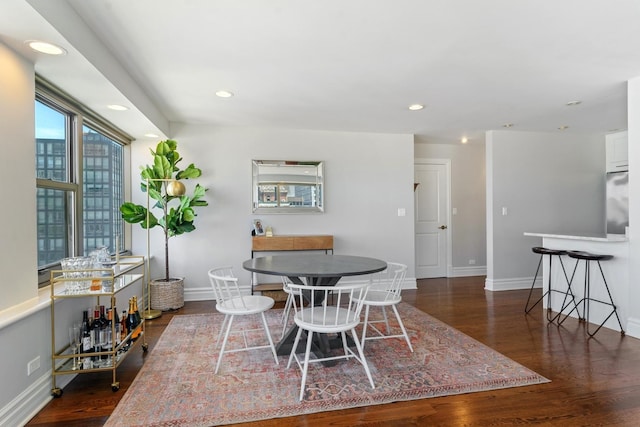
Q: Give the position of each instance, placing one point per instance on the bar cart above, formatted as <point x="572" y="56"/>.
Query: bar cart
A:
<point x="112" y="280"/>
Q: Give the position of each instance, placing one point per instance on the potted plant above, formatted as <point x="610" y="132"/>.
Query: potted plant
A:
<point x="162" y="182"/>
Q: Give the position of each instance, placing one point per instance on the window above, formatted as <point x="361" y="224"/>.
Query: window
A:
<point x="80" y="180"/>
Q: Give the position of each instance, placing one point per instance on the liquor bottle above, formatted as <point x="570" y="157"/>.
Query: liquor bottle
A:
<point x="85" y="346"/>
<point x="138" y="329"/>
<point x="118" y="326"/>
<point x="124" y="329"/>
<point x="103" y="317"/>
<point x="96" y="328"/>
<point x="135" y="309"/>
<point x="107" y="341"/>
<point x="108" y="330"/>
<point x="132" y="320"/>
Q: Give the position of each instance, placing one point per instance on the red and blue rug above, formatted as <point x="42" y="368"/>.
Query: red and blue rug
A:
<point x="177" y="386"/>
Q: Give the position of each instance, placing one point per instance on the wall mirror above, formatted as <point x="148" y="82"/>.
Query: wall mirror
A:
<point x="287" y="186"/>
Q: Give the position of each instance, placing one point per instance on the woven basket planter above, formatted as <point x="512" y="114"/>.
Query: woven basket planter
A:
<point x="167" y="295"/>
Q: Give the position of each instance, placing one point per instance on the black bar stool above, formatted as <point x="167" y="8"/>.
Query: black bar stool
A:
<point x="550" y="252"/>
<point x="585" y="301"/>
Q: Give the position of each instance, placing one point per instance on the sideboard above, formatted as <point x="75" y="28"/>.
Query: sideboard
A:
<point x="286" y="243"/>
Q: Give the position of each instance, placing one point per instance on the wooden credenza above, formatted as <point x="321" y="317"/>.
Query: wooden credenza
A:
<point x="286" y="243"/>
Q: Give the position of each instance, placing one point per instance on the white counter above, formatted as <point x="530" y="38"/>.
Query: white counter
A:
<point x="611" y="238"/>
<point x="616" y="272"/>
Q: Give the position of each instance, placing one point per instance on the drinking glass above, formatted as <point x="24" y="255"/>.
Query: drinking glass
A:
<point x="74" y="343"/>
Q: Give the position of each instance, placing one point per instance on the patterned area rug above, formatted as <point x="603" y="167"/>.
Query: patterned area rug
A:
<point x="177" y="387"/>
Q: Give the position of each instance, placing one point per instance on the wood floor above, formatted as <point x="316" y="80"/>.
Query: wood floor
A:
<point x="594" y="382"/>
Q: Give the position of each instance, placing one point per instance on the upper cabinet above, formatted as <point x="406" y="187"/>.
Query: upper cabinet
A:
<point x="617" y="152"/>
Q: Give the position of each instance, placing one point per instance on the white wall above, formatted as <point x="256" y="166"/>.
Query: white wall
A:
<point x="633" y="325"/>
<point x="549" y="182"/>
<point x="468" y="227"/>
<point x="17" y="261"/>
<point x="367" y="178"/>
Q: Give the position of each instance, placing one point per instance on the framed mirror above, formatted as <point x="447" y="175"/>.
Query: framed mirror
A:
<point x="287" y="186"/>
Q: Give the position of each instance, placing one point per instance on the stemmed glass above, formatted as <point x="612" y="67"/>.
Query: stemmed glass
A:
<point x="74" y="343"/>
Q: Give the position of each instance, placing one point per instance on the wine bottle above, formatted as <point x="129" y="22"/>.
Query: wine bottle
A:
<point x="118" y="326"/>
<point x="135" y="310"/>
<point x="107" y="342"/>
<point x="96" y="328"/>
<point x="86" y="346"/>
<point x="132" y="320"/>
<point x="138" y="329"/>
<point x="124" y="329"/>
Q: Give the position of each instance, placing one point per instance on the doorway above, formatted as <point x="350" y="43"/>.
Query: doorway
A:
<point x="432" y="220"/>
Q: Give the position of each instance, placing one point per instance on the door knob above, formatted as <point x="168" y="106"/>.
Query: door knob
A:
<point x="443" y="227"/>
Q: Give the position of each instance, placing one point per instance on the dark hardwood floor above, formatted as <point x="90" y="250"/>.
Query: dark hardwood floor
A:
<point x="594" y="382"/>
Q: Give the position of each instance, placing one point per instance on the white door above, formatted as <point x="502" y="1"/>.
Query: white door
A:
<point x="431" y="228"/>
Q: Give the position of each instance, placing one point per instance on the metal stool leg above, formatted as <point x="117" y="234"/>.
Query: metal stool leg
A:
<point x="575" y="305"/>
<point x="610" y="303"/>
<point x="527" y="309"/>
<point x="567" y="293"/>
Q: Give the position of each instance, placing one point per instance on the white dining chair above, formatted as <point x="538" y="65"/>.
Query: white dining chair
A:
<point x="231" y="302"/>
<point x="288" y="305"/>
<point x="328" y="310"/>
<point x="385" y="291"/>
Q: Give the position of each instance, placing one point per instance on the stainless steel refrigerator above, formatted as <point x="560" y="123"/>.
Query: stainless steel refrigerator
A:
<point x="617" y="202"/>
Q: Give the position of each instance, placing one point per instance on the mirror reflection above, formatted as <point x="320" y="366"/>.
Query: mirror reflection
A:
<point x="287" y="186"/>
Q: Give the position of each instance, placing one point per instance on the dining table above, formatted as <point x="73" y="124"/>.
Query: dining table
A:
<point x="314" y="269"/>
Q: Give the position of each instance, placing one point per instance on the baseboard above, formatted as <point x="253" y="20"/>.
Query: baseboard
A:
<point x="633" y="327"/>
<point x="476" y="270"/>
<point x="27" y="404"/>
<point x="511" y="284"/>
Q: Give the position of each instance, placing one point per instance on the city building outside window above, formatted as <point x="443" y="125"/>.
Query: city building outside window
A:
<point x="80" y="182"/>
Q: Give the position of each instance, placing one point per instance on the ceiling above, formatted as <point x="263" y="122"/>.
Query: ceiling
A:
<point x="340" y="65"/>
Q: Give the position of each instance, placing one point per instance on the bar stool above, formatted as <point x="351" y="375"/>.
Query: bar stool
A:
<point x="585" y="301"/>
<point x="550" y="252"/>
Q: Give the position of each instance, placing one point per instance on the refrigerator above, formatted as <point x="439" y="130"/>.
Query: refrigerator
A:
<point x="617" y="190"/>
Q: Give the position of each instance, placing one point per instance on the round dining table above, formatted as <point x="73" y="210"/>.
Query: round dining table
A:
<point x="316" y="270"/>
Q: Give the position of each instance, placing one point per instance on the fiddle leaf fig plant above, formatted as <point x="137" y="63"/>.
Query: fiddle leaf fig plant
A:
<point x="162" y="182"/>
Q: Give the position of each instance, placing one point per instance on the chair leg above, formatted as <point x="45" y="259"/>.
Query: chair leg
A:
<point x="305" y="365"/>
<point x="365" y="323"/>
<point x="404" y="331"/>
<point x="292" y="355"/>
<point x="266" y="331"/>
<point x="224" y="343"/>
<point x="343" y="336"/>
<point x="285" y="313"/>
<point x="222" y="328"/>
<point x="363" y="361"/>
<point x="386" y="320"/>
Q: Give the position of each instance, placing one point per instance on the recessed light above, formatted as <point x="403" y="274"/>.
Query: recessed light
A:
<point x="573" y="103"/>
<point x="117" y="107"/>
<point x="563" y="127"/>
<point x="464" y="140"/>
<point x="44" y="47"/>
<point x="507" y="125"/>
<point x="224" y="94"/>
<point x="416" y="107"/>
<point x="151" y="135"/>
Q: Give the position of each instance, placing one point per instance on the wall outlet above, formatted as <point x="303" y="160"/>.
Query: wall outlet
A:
<point x="472" y="262"/>
<point x="33" y="365"/>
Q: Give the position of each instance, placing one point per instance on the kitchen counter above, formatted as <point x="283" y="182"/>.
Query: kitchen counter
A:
<point x="616" y="272"/>
<point x="595" y="237"/>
